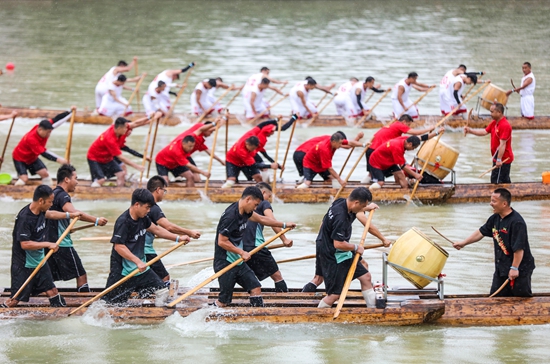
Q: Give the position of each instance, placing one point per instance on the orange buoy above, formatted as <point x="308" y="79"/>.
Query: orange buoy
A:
<point x="10" y="66"/>
<point x="546" y="177"/>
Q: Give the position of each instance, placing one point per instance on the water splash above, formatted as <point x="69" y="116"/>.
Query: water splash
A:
<point x="200" y="277"/>
<point x="204" y="197"/>
<point x="98" y="315"/>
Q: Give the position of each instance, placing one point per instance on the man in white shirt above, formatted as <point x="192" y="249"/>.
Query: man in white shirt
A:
<point x="400" y="95"/>
<point x="111" y="75"/>
<point x="526" y="91"/>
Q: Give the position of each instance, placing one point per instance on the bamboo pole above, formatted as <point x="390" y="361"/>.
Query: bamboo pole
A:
<point x="323" y="109"/>
<point x="69" y="138"/>
<point x="233" y="99"/>
<point x="252" y="121"/>
<point x="209" y="110"/>
<point x="136" y="91"/>
<point x="137" y="88"/>
<point x="360" y="122"/>
<point x="212" y="152"/>
<point x="288" y="146"/>
<point x="126" y="278"/>
<point x="351" y="271"/>
<point x="276" y="93"/>
<point x="492" y="168"/>
<point x="321" y="100"/>
<point x="274" y="182"/>
<point x="296" y="259"/>
<point x="346" y="161"/>
<point x="144" y="159"/>
<point x="353" y="169"/>
<point x="7" y="140"/>
<point x="45" y="259"/>
<point x="83" y="227"/>
<point x="226" y="269"/>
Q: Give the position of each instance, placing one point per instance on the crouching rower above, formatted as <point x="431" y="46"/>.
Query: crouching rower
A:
<point x="33" y="144"/>
<point x="229" y="247"/>
<point x="29" y="241"/>
<point x="128" y="251"/>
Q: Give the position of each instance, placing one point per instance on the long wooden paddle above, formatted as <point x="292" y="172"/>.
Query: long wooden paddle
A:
<point x="370" y="97"/>
<point x="500" y="288"/>
<point x="226" y="134"/>
<point x="233" y="99"/>
<point x="439" y="136"/>
<point x="276" y="93"/>
<point x="213" y="151"/>
<point x="364" y="118"/>
<point x="7" y="140"/>
<point x="226" y="269"/>
<point x="83" y="227"/>
<point x="276" y="246"/>
<point x="70" y="138"/>
<point x="137" y="88"/>
<point x="144" y="159"/>
<point x="353" y="169"/>
<point x="126" y="278"/>
<point x="313" y="255"/>
<point x="209" y="110"/>
<point x="253" y="120"/>
<point x="312" y="120"/>
<point x="492" y="168"/>
<point x="274" y="182"/>
<point x="288" y="147"/>
<point x="134" y="93"/>
<point x="320" y="101"/>
<point x="413" y="104"/>
<point x="351" y="271"/>
<point x="45" y="259"/>
<point x="346" y="161"/>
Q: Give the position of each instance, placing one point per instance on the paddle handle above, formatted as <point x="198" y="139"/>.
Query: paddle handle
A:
<point x="360" y="123"/>
<point x="144" y="159"/>
<point x="209" y="110"/>
<point x="288" y="147"/>
<point x="296" y="259"/>
<point x="346" y="161"/>
<point x="133" y="273"/>
<point x="351" y="271"/>
<point x="212" y="152"/>
<point x="83" y="227"/>
<point x="233" y="99"/>
<point x="353" y="169"/>
<point x="70" y="138"/>
<point x="137" y="88"/>
<point x="492" y="168"/>
<point x="226" y="269"/>
<point x="275" y="94"/>
<point x="7" y="139"/>
<point x="252" y="121"/>
<point x="45" y="259"/>
<point x="152" y="150"/>
<point x="136" y="91"/>
<point x="274" y="182"/>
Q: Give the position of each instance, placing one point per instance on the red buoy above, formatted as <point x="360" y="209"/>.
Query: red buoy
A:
<point x="10" y="66"/>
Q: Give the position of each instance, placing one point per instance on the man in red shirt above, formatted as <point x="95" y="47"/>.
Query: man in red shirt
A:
<point x="501" y="144"/>
<point x="102" y="153"/>
<point x="175" y="158"/>
<point x="318" y="159"/>
<point x="241" y="158"/>
<point x="389" y="159"/>
<point x="33" y="144"/>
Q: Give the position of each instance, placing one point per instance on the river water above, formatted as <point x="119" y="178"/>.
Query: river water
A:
<point x="61" y="49"/>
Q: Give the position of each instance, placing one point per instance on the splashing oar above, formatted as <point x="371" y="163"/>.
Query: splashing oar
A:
<point x="275" y="94"/>
<point x="69" y="138"/>
<point x="226" y="269"/>
<point x="136" y="91"/>
<point x="126" y="278"/>
<point x="364" y="118"/>
<point x="443" y="236"/>
<point x="259" y="115"/>
<point x="312" y="120"/>
<point x="45" y="259"/>
<point x="7" y="140"/>
<point x="352" y="268"/>
<point x="144" y="159"/>
<point x="209" y="110"/>
<point x="492" y="168"/>
<point x="212" y="157"/>
<point x="274" y="182"/>
<point x="352" y="169"/>
<point x="288" y="146"/>
<point x="501" y="288"/>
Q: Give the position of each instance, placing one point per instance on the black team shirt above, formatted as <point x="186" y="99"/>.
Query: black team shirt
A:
<point x="28" y="227"/>
<point x="337" y="225"/>
<point x="232" y="225"/>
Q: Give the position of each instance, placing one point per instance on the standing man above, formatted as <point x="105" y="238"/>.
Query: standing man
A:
<point x="101" y="154"/>
<point x="111" y="75"/>
<point x="29" y="242"/>
<point x="200" y="102"/>
<point x="400" y="95"/>
<point x="229" y="247"/>
<point x="526" y="91"/>
<point x="65" y="264"/>
<point x="513" y="259"/>
<point x="253" y="98"/>
<point x="501" y="144"/>
<point x="33" y="144"/>
<point x="262" y="263"/>
<point x="128" y="251"/>
<point x="158" y="187"/>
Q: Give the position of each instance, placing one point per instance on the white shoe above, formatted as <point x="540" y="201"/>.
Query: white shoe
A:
<point x="19" y="182"/>
<point x="303" y="185"/>
<point x="266" y="175"/>
<point x="366" y="180"/>
<point x="375" y="186"/>
<point x="95" y="184"/>
<point x="47" y="181"/>
<point x="301" y="180"/>
<point x="228" y="184"/>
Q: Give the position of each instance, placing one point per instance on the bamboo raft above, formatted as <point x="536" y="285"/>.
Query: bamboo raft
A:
<point x="318" y="193"/>
<point x="404" y="307"/>
<point x="517" y="122"/>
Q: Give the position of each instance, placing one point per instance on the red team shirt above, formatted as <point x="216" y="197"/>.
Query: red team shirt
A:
<point x="501" y="131"/>
<point x="386" y="133"/>
<point x="239" y="155"/>
<point x="106" y="146"/>
<point x="173" y="155"/>
<point x="319" y="157"/>
<point x="389" y="154"/>
<point x="30" y="147"/>
<point x="199" y="139"/>
<point x="261" y="134"/>
<point x="308" y="144"/>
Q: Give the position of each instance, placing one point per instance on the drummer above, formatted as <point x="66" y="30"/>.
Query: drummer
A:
<point x="513" y="258"/>
<point x="526" y="90"/>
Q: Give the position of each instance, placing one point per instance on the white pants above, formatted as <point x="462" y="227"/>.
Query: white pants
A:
<point x="109" y="107"/>
<point x="528" y="106"/>
<point x="398" y="109"/>
<point x="259" y="104"/>
<point x="100" y="90"/>
<point x="157" y="104"/>
<point x="299" y="108"/>
<point x="447" y="107"/>
<point x="207" y="103"/>
<point x="346" y="108"/>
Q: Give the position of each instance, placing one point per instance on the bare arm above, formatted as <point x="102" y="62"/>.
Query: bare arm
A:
<point x="165" y="234"/>
<point x="276" y="89"/>
<point x="400" y="91"/>
<point x="121" y="69"/>
<point x="225" y="244"/>
<point x="176" y="229"/>
<point x="286" y="242"/>
<point x="345" y="246"/>
<point x="56" y="215"/>
<point x="114" y="96"/>
<point x="215" y="157"/>
<point x="36" y="245"/>
<point x="501" y="150"/>
<point x="477" y="132"/>
<point x="475" y="237"/>
<point x="252" y="101"/>
<point x="198" y="94"/>
<point x="518" y="257"/>
<point x="373" y="229"/>
<point x="129" y="162"/>
<point x="337" y="177"/>
<point x="194" y="169"/>
<point x="69" y="207"/>
<point x="303" y="99"/>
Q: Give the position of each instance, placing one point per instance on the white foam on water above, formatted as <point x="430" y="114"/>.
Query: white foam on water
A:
<point x="98" y="315"/>
<point x="200" y="277"/>
<point x="204" y="197"/>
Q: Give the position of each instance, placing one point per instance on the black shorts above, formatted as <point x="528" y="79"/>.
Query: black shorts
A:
<point x="299" y="162"/>
<point x="522" y="285"/>
<point x="65" y="264"/>
<point x="176" y="172"/>
<point x="309" y="174"/>
<point x="34" y="167"/>
<point x="380" y="175"/>
<point x="41" y="282"/>
<point x="144" y="284"/>
<point x="263" y="264"/>
<point x="367" y="157"/>
<point x="157" y="267"/>
<point x="233" y="171"/>
<point x="501" y="175"/>
<point x="335" y="275"/>
<point x="241" y="275"/>
<point x="103" y="170"/>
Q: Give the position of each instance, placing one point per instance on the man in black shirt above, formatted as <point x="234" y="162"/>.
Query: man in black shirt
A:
<point x="128" y="251"/>
<point x="158" y="188"/>
<point x="29" y="242"/>
<point x="229" y="247"/>
<point x="262" y="263"/>
<point x="65" y="264"/>
<point x="335" y="252"/>
<point x="513" y="258"/>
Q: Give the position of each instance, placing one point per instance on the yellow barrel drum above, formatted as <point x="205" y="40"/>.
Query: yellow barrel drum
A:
<point x="415" y="251"/>
<point x="443" y="156"/>
<point x="491" y="93"/>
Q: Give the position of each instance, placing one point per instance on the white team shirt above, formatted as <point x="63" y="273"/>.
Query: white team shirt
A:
<point x="407" y="88"/>
<point x="446" y="81"/>
<point x="529" y="90"/>
<point x="300" y="86"/>
<point x="108" y="78"/>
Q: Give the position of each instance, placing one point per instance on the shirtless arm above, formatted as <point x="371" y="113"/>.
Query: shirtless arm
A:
<point x="287" y="242"/>
<point x="176" y="229"/>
